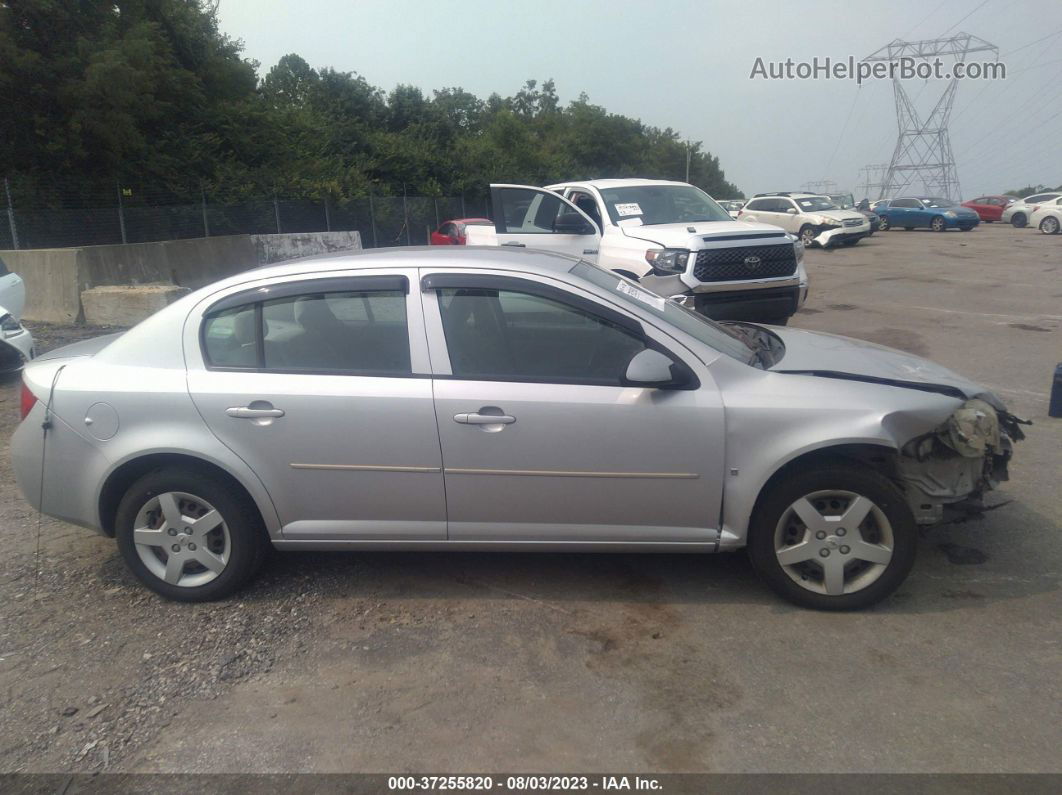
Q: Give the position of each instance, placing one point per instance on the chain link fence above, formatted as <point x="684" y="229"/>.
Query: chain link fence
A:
<point x="60" y="219"/>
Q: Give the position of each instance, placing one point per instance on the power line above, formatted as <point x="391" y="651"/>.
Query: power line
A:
<point x="982" y="5"/>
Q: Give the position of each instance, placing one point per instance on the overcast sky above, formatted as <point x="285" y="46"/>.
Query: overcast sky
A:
<point x="685" y="64"/>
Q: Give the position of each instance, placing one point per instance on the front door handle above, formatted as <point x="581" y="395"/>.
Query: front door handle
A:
<point x="248" y="413"/>
<point x="484" y="419"/>
<point x="514" y="244"/>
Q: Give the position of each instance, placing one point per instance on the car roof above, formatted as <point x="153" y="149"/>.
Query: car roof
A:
<point x="615" y="183"/>
<point x="497" y="257"/>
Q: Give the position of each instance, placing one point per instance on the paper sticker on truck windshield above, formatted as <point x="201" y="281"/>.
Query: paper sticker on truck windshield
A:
<point x="641" y="295"/>
<point x="628" y="209"/>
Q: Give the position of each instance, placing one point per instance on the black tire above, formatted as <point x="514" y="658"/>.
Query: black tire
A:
<point x="1018" y="220"/>
<point x="853" y="478"/>
<point x="884" y="225"/>
<point x="938" y="224"/>
<point x="248" y="541"/>
<point x="807" y="235"/>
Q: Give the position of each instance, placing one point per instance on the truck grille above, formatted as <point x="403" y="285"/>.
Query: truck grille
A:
<point x="746" y="262"/>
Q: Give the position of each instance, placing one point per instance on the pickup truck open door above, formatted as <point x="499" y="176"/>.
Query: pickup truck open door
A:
<point x="526" y="216"/>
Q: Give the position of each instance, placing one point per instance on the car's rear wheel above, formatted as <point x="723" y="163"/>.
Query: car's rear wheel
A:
<point x="833" y="538"/>
<point x="883" y="226"/>
<point x="1018" y="220"/>
<point x="1049" y="226"/>
<point x="807" y="235"/>
<point x="938" y="224"/>
<point x="189" y="537"/>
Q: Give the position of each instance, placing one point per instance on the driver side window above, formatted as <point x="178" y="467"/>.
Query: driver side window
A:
<point x="515" y="336"/>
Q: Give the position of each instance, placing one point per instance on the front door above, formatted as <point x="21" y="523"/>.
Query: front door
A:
<point x="529" y="217"/>
<point x="541" y="442"/>
<point x="314" y="384"/>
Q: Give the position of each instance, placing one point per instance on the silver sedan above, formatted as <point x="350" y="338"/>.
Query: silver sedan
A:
<point x="490" y="399"/>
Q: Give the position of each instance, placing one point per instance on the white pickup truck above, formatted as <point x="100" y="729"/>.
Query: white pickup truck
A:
<point x="670" y="236"/>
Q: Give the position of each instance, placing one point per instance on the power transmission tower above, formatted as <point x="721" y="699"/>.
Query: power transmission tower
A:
<point x="923" y="148"/>
<point x="820" y="187"/>
<point x="873" y="178"/>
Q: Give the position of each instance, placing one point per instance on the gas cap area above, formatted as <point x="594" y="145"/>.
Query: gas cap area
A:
<point x="101" y="421"/>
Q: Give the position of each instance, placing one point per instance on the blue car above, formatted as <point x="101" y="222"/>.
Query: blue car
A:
<point x="939" y="215"/>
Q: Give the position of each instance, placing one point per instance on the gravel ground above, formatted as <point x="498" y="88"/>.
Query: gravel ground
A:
<point x="476" y="662"/>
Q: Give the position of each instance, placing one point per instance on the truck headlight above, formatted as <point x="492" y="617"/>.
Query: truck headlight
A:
<point x="9" y="327"/>
<point x="798" y="250"/>
<point x="668" y="260"/>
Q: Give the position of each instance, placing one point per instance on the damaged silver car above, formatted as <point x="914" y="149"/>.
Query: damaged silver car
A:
<point x="480" y="398"/>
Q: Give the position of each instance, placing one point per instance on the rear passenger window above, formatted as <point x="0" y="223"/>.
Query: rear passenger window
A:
<point x="343" y="332"/>
<point x="230" y="338"/>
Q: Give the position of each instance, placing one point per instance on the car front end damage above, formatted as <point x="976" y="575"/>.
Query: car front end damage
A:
<point x="955" y="464"/>
<point x="16" y="343"/>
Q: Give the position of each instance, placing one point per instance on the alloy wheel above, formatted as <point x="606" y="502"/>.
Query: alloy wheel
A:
<point x="182" y="539"/>
<point x="834" y="542"/>
<point x="807" y="236"/>
<point x="938" y="224"/>
<point x="1049" y="226"/>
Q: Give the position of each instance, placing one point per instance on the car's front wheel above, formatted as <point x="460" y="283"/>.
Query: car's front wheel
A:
<point x="1049" y="226"/>
<point x="938" y="224"/>
<point x="188" y="537"/>
<point x="833" y="538"/>
<point x="884" y="225"/>
<point x="807" y="235"/>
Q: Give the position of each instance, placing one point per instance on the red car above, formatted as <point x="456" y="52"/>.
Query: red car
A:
<point x="989" y="208"/>
<point x="452" y="233"/>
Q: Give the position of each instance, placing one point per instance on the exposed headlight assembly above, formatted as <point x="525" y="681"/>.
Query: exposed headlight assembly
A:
<point x="9" y="327"/>
<point x="668" y="260"/>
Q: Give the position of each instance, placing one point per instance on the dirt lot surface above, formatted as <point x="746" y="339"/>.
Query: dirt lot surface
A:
<point x="519" y="662"/>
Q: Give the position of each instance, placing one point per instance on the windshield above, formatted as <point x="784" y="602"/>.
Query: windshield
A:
<point x="843" y="200"/>
<point x="661" y="204"/>
<point x="814" y="204"/>
<point x="939" y="203"/>
<point x="697" y="326"/>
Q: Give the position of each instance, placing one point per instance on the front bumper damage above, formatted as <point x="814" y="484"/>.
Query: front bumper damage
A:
<point x="954" y="465"/>
<point x="833" y="235"/>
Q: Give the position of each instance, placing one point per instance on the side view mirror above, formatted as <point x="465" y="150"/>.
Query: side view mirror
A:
<point x="653" y="370"/>
<point x="572" y="224"/>
<point x="791" y="211"/>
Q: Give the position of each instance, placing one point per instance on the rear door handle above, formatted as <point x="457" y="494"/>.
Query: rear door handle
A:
<point x="514" y="244"/>
<point x="484" y="419"/>
<point x="247" y="413"/>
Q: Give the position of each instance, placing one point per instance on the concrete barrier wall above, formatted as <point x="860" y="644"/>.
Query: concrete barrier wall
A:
<point x="55" y="278"/>
<point x="54" y="281"/>
<point x="188" y="263"/>
<point x="277" y="248"/>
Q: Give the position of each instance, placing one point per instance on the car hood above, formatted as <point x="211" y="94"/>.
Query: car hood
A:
<point x="839" y="215"/>
<point x="691" y="235"/>
<point x="834" y="356"/>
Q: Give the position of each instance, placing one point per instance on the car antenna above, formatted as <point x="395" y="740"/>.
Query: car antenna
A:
<point x="45" y="427"/>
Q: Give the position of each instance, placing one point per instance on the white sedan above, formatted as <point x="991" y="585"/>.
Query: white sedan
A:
<point x="16" y="343"/>
<point x="1047" y="217"/>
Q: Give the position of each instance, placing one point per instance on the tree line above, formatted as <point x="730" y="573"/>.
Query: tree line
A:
<point x="151" y="93"/>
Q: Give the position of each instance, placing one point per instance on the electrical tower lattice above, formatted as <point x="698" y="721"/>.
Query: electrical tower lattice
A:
<point x="923" y="147"/>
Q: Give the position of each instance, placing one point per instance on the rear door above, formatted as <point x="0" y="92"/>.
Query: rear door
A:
<point x="321" y="386"/>
<point x="529" y="217"/>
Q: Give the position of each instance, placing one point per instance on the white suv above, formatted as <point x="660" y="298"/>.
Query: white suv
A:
<point x="671" y="236"/>
<point x="816" y="219"/>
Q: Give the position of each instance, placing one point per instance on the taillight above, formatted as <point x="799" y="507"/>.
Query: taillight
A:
<point x="27" y="402"/>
